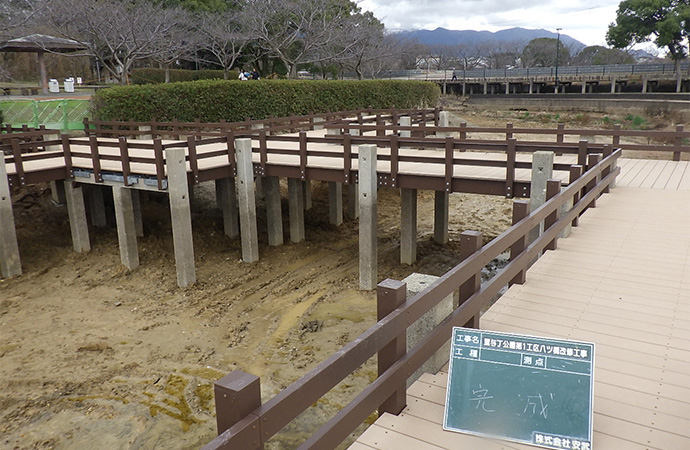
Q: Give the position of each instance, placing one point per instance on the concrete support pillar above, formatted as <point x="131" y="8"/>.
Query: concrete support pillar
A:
<point x="259" y="187"/>
<point x="590" y="88"/>
<point x="538" y="88"/>
<point x="353" y="201"/>
<point x="416" y="283"/>
<point x="96" y="206"/>
<point x="138" y="219"/>
<point x="613" y="85"/>
<point x="542" y="171"/>
<point x="318" y="123"/>
<point x="443" y="122"/>
<point x="644" y="84"/>
<point x="247" y="200"/>
<point x="226" y="200"/>
<point x="405" y="121"/>
<point x="368" y="244"/>
<point x="306" y="188"/>
<point x="335" y="203"/>
<point x="441" y="200"/>
<point x="584" y="87"/>
<point x="274" y="212"/>
<point x="57" y="192"/>
<point x="531" y="86"/>
<point x="296" y="206"/>
<point x="408" y="226"/>
<point x="77" y="217"/>
<point x="507" y="87"/>
<point x="145" y="129"/>
<point x="10" y="264"/>
<point x="464" y="89"/>
<point x="444" y="88"/>
<point x="486" y="88"/>
<point x="123" y="198"/>
<point x="181" y="216"/>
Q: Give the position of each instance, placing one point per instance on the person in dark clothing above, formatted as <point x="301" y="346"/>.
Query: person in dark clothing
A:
<point x="255" y="74"/>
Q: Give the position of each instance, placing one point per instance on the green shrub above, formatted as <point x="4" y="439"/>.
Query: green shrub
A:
<point x="155" y="76"/>
<point x="211" y="101"/>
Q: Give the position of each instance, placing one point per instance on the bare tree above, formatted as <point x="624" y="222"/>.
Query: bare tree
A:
<point x="18" y="14"/>
<point x="221" y="38"/>
<point x="300" y="31"/>
<point x="175" y="43"/>
<point x="116" y="33"/>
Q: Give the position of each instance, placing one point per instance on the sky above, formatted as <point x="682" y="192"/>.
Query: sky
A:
<point x="584" y="20"/>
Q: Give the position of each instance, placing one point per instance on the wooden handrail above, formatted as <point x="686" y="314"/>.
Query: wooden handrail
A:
<point x="272" y="416"/>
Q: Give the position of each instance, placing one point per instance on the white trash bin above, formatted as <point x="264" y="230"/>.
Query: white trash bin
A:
<point x="53" y="85"/>
<point x="69" y="84"/>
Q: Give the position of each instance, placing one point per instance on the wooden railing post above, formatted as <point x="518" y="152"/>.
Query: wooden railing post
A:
<point x="582" y="152"/>
<point x="593" y="160"/>
<point x="520" y="211"/>
<point x="553" y="187"/>
<point x="575" y="173"/>
<point x="511" y="157"/>
<point x="678" y="143"/>
<point x="608" y="150"/>
<point x="560" y="133"/>
<point x="390" y="294"/>
<point x="470" y="243"/>
<point x="237" y="395"/>
<point x="509" y="131"/>
<point x="616" y="137"/>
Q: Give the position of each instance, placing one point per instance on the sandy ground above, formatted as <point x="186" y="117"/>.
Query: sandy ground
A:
<point x="95" y="357"/>
<point x="92" y="356"/>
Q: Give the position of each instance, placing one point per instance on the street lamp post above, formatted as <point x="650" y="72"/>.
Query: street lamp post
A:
<point x="558" y="48"/>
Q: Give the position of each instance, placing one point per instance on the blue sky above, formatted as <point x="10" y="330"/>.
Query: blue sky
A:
<point x="584" y="20"/>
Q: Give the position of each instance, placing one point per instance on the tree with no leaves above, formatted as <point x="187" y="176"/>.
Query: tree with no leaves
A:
<point x="117" y="32"/>
<point x="301" y="31"/>
<point x="221" y="38"/>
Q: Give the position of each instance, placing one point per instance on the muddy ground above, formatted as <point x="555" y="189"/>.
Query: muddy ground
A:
<point x="95" y="357"/>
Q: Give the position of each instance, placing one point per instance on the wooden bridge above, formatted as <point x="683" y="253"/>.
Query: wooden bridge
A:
<point x="619" y="280"/>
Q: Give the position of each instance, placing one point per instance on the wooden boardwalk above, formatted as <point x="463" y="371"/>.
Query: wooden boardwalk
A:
<point x="622" y="281"/>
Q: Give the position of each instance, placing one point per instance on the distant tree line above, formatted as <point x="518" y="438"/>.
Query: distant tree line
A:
<point x="327" y="37"/>
<point x="540" y="52"/>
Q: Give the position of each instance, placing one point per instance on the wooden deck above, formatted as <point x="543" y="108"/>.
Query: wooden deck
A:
<point x="622" y="281"/>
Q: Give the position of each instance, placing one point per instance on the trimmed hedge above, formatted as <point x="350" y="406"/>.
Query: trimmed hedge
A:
<point x="154" y="76"/>
<point x="211" y="101"/>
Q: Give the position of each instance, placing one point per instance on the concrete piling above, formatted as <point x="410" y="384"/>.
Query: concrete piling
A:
<point x="181" y="216"/>
<point x="247" y="200"/>
<point x="368" y="245"/>
<point x="76" y="209"/>
<point x="542" y="171"/>
<point x="296" y="209"/>
<point x="353" y="201"/>
<point x="96" y="206"/>
<point x="123" y="198"/>
<point x="441" y="203"/>
<point x="274" y="213"/>
<point x="335" y="203"/>
<point x="10" y="263"/>
<point x="226" y="200"/>
<point x="408" y="226"/>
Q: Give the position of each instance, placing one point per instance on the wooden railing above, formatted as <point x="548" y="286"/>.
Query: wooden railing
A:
<point x="176" y="129"/>
<point x="151" y="153"/>
<point x="244" y="423"/>
<point x="669" y="141"/>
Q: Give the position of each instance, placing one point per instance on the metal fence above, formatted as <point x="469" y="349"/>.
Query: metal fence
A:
<point x="61" y="115"/>
<point x="618" y="69"/>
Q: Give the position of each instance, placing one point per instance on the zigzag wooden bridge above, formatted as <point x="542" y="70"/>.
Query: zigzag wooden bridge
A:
<point x="640" y="402"/>
<point x="235" y="155"/>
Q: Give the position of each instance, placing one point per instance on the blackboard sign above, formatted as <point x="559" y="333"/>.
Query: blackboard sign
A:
<point x="521" y="388"/>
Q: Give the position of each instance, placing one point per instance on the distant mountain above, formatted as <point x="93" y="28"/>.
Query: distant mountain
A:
<point x="442" y="36"/>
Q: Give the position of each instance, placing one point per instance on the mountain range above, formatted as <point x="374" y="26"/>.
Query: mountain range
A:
<point x="442" y="36"/>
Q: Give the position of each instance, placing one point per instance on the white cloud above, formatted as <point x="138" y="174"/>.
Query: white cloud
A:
<point x="583" y="20"/>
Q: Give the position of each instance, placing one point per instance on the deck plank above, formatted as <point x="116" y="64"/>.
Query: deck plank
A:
<point x="616" y="281"/>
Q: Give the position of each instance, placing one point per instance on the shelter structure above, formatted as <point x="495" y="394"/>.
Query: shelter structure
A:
<point x="40" y="44"/>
